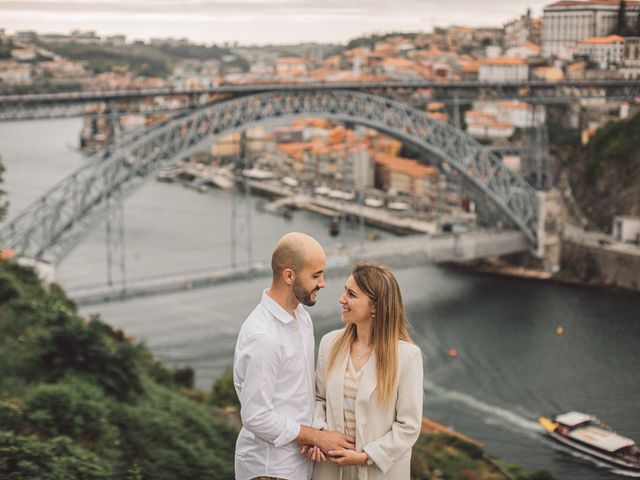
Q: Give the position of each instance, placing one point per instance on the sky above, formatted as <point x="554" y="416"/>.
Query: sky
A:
<point x="256" y="22"/>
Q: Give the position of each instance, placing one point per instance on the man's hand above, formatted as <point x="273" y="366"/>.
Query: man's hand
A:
<point x="335" y="441"/>
<point x="344" y="458"/>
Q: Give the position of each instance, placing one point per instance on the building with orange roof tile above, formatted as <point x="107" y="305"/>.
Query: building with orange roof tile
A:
<point x="567" y="22"/>
<point x="526" y="50"/>
<point x="440" y="116"/>
<point x="606" y="51"/>
<point x="503" y="69"/>
<point x="491" y="130"/>
<point x="291" y="66"/>
<point x="469" y="70"/>
<point x="548" y="74"/>
<point x="405" y="175"/>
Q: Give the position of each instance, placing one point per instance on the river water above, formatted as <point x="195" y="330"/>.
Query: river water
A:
<point x="512" y="365"/>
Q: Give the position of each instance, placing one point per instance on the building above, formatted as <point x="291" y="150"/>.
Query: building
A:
<point x="404" y="175"/>
<point x="521" y="31"/>
<point x="12" y="72"/>
<point x="605" y="51"/>
<point x="567" y="22"/>
<point x="503" y="69"/>
<point x="626" y="229"/>
<point x="524" y="50"/>
<point x="631" y="59"/>
<point x="291" y="66"/>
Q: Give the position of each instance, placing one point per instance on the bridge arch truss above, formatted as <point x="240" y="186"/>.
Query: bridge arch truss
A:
<point x="52" y="225"/>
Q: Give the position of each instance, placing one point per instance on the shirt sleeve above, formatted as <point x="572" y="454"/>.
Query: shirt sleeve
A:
<point x="256" y="370"/>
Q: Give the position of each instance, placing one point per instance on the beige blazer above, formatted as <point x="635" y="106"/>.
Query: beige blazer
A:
<point x="385" y="434"/>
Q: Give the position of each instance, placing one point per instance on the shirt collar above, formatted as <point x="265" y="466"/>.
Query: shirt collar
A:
<point x="277" y="311"/>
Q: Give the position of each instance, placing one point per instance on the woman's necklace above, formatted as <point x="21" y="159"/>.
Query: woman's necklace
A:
<point x="360" y="357"/>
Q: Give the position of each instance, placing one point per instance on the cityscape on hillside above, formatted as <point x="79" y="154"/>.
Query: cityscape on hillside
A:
<point x="145" y="182"/>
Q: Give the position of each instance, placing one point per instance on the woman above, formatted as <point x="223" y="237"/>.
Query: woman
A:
<point x="369" y="382"/>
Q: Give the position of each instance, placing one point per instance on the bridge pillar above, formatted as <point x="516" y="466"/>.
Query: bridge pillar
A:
<point x="549" y="228"/>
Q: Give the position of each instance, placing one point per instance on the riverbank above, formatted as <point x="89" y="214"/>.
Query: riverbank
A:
<point x="566" y="276"/>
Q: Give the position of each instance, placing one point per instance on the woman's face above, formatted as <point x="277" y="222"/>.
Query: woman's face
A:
<point x="356" y="305"/>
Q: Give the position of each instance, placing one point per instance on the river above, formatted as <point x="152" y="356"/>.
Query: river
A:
<point x="511" y="366"/>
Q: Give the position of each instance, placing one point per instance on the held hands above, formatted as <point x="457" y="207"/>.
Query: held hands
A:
<point x="342" y="458"/>
<point x="313" y="453"/>
<point x="329" y="440"/>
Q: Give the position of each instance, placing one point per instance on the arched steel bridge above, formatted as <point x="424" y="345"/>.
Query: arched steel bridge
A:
<point x="52" y="225"/>
<point x="56" y="105"/>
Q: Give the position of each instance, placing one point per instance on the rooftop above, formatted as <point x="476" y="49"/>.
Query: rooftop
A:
<point x="601" y="438"/>
<point x="602" y="40"/>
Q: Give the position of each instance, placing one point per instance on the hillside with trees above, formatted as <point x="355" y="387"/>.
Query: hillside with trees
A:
<point x="604" y="175"/>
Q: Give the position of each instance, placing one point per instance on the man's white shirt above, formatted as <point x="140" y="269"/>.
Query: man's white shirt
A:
<point x="273" y="374"/>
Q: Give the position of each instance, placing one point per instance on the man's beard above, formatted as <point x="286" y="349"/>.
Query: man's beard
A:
<point x="302" y="295"/>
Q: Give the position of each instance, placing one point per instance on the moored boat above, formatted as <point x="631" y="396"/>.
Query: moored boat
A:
<point x="586" y="434"/>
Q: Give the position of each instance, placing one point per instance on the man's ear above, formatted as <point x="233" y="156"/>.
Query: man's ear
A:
<point x="288" y="276"/>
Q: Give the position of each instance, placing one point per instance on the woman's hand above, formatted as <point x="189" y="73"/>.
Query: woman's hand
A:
<point x="344" y="458"/>
<point x="313" y="453"/>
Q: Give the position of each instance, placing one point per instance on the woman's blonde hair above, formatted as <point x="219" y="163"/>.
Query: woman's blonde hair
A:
<point x="388" y="327"/>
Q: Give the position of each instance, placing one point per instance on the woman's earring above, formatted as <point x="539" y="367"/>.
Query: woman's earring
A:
<point x="373" y="314"/>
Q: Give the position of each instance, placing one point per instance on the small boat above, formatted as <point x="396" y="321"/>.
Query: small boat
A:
<point x="373" y="202"/>
<point x="321" y="190"/>
<point x="340" y="195"/>
<point x="257" y="174"/>
<point x="586" y="434"/>
<point x="290" y="182"/>
<point x="398" y="206"/>
<point x="222" y="178"/>
<point x="334" y="227"/>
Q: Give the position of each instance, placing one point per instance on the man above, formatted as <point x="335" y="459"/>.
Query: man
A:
<point x="273" y="369"/>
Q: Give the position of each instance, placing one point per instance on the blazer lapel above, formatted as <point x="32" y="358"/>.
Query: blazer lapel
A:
<point x="335" y="390"/>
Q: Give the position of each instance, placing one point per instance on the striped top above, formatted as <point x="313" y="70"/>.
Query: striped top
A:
<point x="350" y="390"/>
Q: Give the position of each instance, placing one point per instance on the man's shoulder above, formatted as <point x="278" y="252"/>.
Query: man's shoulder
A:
<point x="257" y="323"/>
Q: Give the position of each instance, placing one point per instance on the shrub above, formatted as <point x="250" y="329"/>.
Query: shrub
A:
<point x="72" y="409"/>
<point x="223" y="392"/>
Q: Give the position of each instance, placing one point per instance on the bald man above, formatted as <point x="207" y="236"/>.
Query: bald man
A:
<point x="273" y="369"/>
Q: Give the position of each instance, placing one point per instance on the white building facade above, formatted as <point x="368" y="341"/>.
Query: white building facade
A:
<point x="503" y="69"/>
<point x="567" y="22"/>
<point x="607" y="52"/>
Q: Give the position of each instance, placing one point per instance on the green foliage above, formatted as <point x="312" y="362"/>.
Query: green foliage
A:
<point x="26" y="457"/>
<point x="3" y="202"/>
<point x="560" y="134"/>
<point x="184" y="377"/>
<point x="6" y="45"/>
<point x="79" y="401"/>
<point x="223" y="393"/>
<point x="70" y="344"/>
<point x="541" y="475"/>
<point x="452" y="457"/>
<point x="74" y="409"/>
<point x="614" y="145"/>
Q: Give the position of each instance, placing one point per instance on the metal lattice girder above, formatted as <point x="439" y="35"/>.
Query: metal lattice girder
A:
<point x="51" y="226"/>
<point x="68" y="104"/>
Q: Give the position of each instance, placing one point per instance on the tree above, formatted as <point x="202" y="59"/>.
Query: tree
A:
<point x="3" y="203"/>
<point x="622" y="28"/>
